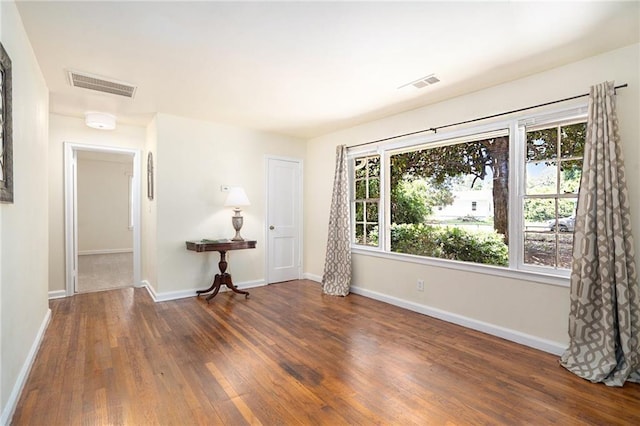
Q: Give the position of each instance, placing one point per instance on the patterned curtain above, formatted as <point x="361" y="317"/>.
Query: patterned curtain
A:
<point x="604" y="321"/>
<point x="337" y="265"/>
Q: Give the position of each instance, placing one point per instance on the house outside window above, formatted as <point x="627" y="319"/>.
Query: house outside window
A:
<point x="502" y="195"/>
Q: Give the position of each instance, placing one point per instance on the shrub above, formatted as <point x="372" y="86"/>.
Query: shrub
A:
<point x="418" y="239"/>
<point x="450" y="243"/>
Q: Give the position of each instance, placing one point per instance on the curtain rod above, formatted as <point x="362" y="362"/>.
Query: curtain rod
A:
<point x="435" y="129"/>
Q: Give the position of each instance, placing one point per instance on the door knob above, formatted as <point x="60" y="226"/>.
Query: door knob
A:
<point x="272" y="227"/>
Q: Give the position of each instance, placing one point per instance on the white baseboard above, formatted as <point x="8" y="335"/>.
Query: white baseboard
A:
<point x="181" y="294"/>
<point x="545" y="345"/>
<point x="10" y="407"/>
<point x="105" y="251"/>
<point x="57" y="294"/>
<point x="312" y="277"/>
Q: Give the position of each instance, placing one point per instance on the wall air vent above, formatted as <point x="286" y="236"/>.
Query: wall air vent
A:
<point x="422" y="82"/>
<point x="101" y="84"/>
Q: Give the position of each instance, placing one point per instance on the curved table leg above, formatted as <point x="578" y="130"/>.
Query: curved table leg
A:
<point x="213" y="285"/>
<point x="216" y="285"/>
<point x="226" y="280"/>
<point x="221" y="278"/>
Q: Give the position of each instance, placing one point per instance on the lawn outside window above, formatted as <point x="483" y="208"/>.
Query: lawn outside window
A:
<point x="500" y="196"/>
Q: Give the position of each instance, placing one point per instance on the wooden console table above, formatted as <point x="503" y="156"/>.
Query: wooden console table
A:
<point x="223" y="277"/>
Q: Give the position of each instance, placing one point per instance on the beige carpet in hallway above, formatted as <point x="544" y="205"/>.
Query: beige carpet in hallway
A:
<point x="97" y="272"/>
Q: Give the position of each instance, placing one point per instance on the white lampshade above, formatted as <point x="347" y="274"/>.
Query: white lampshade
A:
<point x="237" y="198"/>
<point x="100" y="120"/>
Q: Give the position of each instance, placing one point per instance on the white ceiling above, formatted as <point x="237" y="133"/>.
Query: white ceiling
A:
<point x="306" y="68"/>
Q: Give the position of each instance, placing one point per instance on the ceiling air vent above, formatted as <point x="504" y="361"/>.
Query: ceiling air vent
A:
<point x="101" y="84"/>
<point x="422" y="82"/>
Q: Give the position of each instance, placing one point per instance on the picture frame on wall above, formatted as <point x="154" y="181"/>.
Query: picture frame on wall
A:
<point x="6" y="129"/>
<point x="150" y="176"/>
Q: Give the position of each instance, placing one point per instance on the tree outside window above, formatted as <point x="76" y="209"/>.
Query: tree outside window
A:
<point x="452" y="178"/>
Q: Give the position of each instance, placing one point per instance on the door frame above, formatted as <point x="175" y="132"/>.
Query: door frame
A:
<point x="71" y="205"/>
<point x="267" y="204"/>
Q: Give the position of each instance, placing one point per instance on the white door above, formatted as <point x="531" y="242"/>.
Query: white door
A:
<point x="284" y="196"/>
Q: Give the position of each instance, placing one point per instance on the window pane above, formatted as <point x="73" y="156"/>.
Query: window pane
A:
<point x="542" y="178"/>
<point x="567" y="207"/>
<point x="360" y="233"/>
<point x="359" y="211"/>
<point x="540" y="249"/>
<point x="567" y="214"/>
<point x="374" y="188"/>
<point x="372" y="235"/>
<point x="359" y="167"/>
<point x="374" y="166"/>
<point x="570" y="175"/>
<point x="361" y="189"/>
<point x="565" y="250"/>
<point x="542" y="144"/>
<point x="573" y="138"/>
<point x="539" y="214"/>
<point x="372" y="212"/>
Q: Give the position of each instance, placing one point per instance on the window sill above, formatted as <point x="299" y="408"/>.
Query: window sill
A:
<point x="536" y="277"/>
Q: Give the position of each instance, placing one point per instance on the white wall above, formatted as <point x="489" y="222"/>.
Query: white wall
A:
<point x="23" y="224"/>
<point x="70" y="129"/>
<point x="149" y="211"/>
<point x="532" y="308"/>
<point x="104" y="203"/>
<point x="193" y="159"/>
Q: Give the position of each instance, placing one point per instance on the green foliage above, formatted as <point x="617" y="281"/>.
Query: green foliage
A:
<point x="412" y="201"/>
<point x="450" y="243"/>
<point x="443" y="162"/>
<point x="543" y="209"/>
<point x="539" y="210"/>
<point x="418" y="239"/>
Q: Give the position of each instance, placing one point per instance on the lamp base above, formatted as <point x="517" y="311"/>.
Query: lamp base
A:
<point x="237" y="221"/>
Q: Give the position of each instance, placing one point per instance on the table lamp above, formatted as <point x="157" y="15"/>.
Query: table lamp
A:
<point x="237" y="198"/>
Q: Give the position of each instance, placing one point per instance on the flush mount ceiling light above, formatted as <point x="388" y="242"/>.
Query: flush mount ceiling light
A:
<point x="100" y="120"/>
<point x="422" y="82"/>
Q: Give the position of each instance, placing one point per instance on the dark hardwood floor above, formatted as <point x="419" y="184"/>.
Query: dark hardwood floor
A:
<point x="290" y="355"/>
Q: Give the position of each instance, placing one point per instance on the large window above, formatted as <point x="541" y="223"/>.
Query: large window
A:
<point x="448" y="201"/>
<point x="503" y="196"/>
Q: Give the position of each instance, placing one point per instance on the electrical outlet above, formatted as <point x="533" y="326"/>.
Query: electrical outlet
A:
<point x="420" y="285"/>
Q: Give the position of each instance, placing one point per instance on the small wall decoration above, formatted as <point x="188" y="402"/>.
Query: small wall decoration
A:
<point x="150" y="176"/>
<point x="6" y="130"/>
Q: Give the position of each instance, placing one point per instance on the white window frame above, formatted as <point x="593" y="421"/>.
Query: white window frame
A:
<point x="559" y="117"/>
<point x="352" y="188"/>
<point x="516" y="127"/>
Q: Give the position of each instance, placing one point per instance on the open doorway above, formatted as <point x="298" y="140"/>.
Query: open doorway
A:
<point x="105" y="225"/>
<point x="102" y="218"/>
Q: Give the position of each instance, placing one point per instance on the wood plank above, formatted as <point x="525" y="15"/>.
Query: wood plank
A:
<point x="291" y="355"/>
